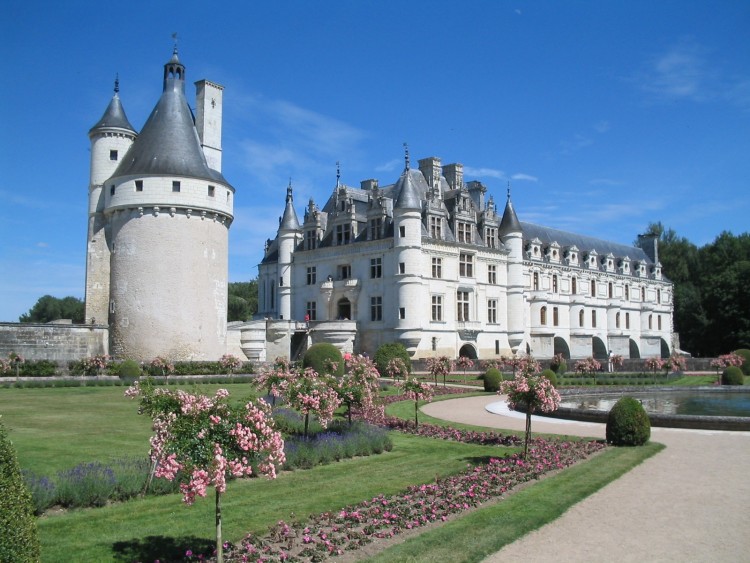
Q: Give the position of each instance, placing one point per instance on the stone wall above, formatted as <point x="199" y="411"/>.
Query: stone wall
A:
<point x="55" y="342"/>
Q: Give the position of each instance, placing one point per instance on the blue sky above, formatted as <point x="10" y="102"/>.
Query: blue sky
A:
<point x="604" y="116"/>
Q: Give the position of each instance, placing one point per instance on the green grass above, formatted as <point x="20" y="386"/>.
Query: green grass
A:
<point x="485" y="531"/>
<point x="252" y="505"/>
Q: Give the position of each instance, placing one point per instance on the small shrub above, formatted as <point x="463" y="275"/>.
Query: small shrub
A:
<point x="732" y="376"/>
<point x="492" y="379"/>
<point x="38" y="368"/>
<point x="386" y="352"/>
<point x="551" y="376"/>
<point x="628" y="424"/>
<point x="129" y="369"/>
<point x="19" y="540"/>
<point x="320" y="356"/>
<point x="745" y="353"/>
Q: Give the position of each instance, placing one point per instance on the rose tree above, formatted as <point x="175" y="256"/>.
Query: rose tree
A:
<point x="201" y="440"/>
<point x="441" y="365"/>
<point x="417" y="391"/>
<point x="309" y="393"/>
<point x="532" y="391"/>
<point x="359" y="386"/>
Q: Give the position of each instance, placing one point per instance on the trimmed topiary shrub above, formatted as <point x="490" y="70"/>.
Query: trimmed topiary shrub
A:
<point x="320" y="356"/>
<point x="492" y="379"/>
<point x="129" y="369"/>
<point x="386" y="352"/>
<point x="745" y="353"/>
<point x="551" y="376"/>
<point x="628" y="424"/>
<point x="732" y="376"/>
<point x="19" y="540"/>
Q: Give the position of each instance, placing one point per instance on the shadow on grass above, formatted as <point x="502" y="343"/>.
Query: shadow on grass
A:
<point x="481" y="459"/>
<point x="162" y="548"/>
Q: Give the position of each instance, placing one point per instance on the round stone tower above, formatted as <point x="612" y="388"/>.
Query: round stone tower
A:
<point x="168" y="214"/>
<point x="512" y="236"/>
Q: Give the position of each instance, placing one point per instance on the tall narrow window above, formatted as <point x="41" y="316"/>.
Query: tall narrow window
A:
<point x="627" y="320"/>
<point x="650" y="322"/>
<point x="490" y="237"/>
<point x="402" y="231"/>
<point x="376" y="308"/>
<point x="593" y="319"/>
<point x="643" y="294"/>
<point x="658" y="322"/>
<point x="617" y="320"/>
<point x="627" y="293"/>
<point x="555" y="316"/>
<point x="402" y="267"/>
<point x="402" y="313"/>
<point x="492" y="311"/>
<point x="492" y="274"/>
<point x="311" y="310"/>
<point x="536" y="281"/>
<point x="610" y="290"/>
<point x="436" y="227"/>
<point x="574" y="286"/>
<point x="543" y="316"/>
<point x="376" y="267"/>
<point x="437" y="267"/>
<point x="462" y="306"/>
<point x="580" y="318"/>
<point x="311" y="239"/>
<point x="376" y="226"/>
<point x="312" y="275"/>
<point x="593" y="288"/>
<point x="658" y="295"/>
<point x="437" y="308"/>
<point x="554" y="283"/>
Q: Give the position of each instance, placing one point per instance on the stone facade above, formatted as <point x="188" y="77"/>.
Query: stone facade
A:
<point x="55" y="342"/>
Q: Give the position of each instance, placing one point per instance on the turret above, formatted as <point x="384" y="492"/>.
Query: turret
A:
<point x="289" y="236"/>
<point x="512" y="236"/>
<point x="110" y="139"/>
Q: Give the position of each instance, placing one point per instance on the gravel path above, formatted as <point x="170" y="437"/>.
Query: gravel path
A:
<point x="690" y="502"/>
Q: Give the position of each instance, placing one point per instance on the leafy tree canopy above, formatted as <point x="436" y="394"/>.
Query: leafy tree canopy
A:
<point x="49" y="308"/>
<point x="242" y="300"/>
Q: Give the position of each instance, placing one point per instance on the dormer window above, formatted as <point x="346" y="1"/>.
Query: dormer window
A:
<point x="436" y="227"/>
<point x="343" y="234"/>
<point x="463" y="232"/>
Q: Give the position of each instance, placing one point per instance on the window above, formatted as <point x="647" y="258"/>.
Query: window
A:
<point x="643" y="294"/>
<point x="343" y="234"/>
<point x="658" y="295"/>
<point x="402" y="313"/>
<point x="650" y="322"/>
<point x="112" y="190"/>
<point x="437" y="308"/>
<point x="593" y="288"/>
<point x="463" y="231"/>
<point x="113" y="155"/>
<point x="211" y="191"/>
<point x="375" y="228"/>
<point x="139" y="185"/>
<point x="376" y="267"/>
<point x="437" y="267"/>
<point x="554" y="283"/>
<point x="344" y="272"/>
<point x="312" y="275"/>
<point x="311" y="310"/>
<point x="462" y="306"/>
<point x="536" y="281"/>
<point x="610" y="290"/>
<point x="658" y="322"/>
<point x="580" y="318"/>
<point x="492" y="311"/>
<point x="402" y="231"/>
<point x="617" y="320"/>
<point x="497" y="346"/>
<point x="574" y="286"/>
<point x="543" y="316"/>
<point x="593" y="319"/>
<point x="376" y="308"/>
<point x="555" y="316"/>
<point x="627" y="293"/>
<point x="490" y="237"/>
<point x="175" y="186"/>
<point x="310" y="240"/>
<point x="436" y="227"/>
<point x="491" y="274"/>
<point x="402" y="267"/>
<point x="466" y="265"/>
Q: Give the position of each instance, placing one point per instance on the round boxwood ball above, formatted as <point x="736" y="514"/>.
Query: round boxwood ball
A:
<point x="319" y="357"/>
<point x="551" y="375"/>
<point x="745" y="353"/>
<point x="129" y="369"/>
<point x="628" y="424"/>
<point x="492" y="379"/>
<point x="732" y="376"/>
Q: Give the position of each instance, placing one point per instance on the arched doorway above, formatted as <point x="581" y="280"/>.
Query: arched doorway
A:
<point x="598" y="348"/>
<point x="344" y="309"/>
<point x="635" y="353"/>
<point x="468" y="351"/>
<point x="665" y="353"/>
<point x="561" y="347"/>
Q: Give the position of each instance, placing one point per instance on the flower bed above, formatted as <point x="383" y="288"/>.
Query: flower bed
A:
<point x="382" y="517"/>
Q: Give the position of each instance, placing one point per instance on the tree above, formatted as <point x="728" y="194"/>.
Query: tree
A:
<point x="202" y="441"/>
<point x="359" y="386"/>
<point x="242" y="300"/>
<point x="441" y="365"/>
<point x="417" y="391"/>
<point x="49" y="308"/>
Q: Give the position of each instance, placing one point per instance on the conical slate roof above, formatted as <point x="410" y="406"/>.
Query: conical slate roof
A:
<point x="509" y="222"/>
<point x="114" y="116"/>
<point x="409" y="193"/>
<point x="289" y="220"/>
<point x="168" y="144"/>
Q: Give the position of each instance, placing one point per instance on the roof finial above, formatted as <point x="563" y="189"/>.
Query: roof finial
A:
<point x="338" y="173"/>
<point x="406" y="155"/>
<point x="508" y="190"/>
<point x="174" y="38"/>
<point x="117" y="83"/>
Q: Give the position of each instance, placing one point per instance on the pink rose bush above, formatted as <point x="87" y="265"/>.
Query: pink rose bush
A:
<point x="201" y="441"/>
<point x="441" y="365"/>
<point x="360" y="384"/>
<point x="530" y="391"/>
<point x="587" y="366"/>
<point x="230" y="363"/>
<point x="417" y="391"/>
<point x="397" y="369"/>
<point x="162" y="365"/>
<point x="310" y="394"/>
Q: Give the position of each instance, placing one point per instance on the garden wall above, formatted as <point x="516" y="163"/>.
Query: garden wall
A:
<point x="53" y="341"/>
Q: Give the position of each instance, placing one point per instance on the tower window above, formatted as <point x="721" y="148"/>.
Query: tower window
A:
<point x="113" y="155"/>
<point x="112" y="190"/>
<point x="175" y="186"/>
<point x="139" y="185"/>
<point x="211" y="191"/>
<point x="402" y="313"/>
<point x="402" y="267"/>
<point x="402" y="231"/>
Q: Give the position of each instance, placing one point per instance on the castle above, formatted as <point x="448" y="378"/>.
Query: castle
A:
<point x="428" y="261"/>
